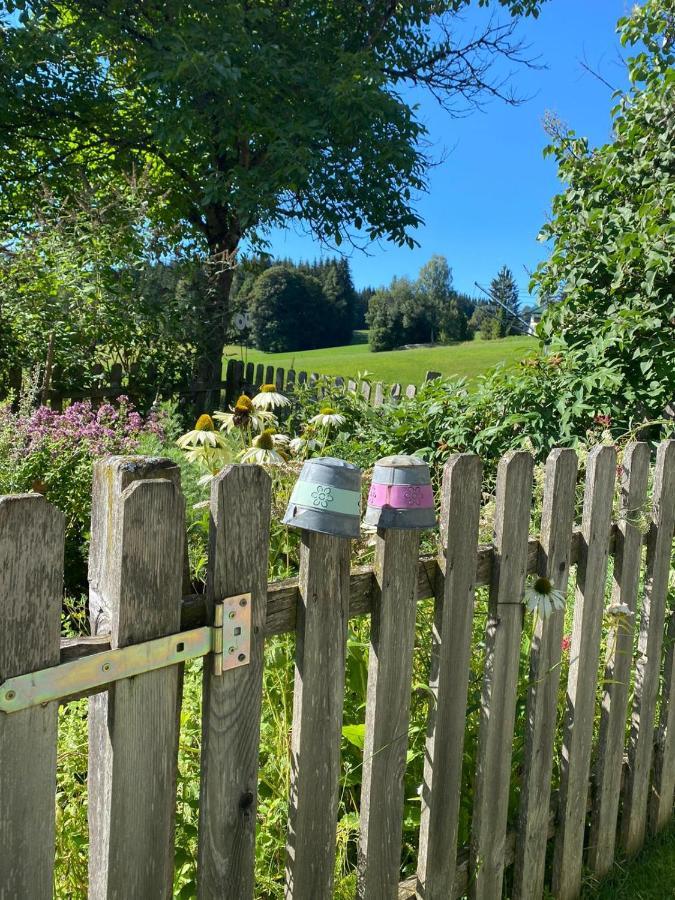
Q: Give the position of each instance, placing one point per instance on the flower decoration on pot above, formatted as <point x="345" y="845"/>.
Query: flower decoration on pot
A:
<point x="327" y="498"/>
<point x="401" y="495"/>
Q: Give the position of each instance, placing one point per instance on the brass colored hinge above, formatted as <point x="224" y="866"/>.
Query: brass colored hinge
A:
<point x="229" y="640"/>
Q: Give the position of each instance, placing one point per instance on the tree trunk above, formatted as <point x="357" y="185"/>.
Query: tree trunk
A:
<point x="216" y="315"/>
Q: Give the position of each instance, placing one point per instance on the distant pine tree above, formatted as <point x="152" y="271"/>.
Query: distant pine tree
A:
<point x="503" y="288"/>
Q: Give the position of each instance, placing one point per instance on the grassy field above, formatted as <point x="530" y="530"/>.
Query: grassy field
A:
<point x="405" y="366"/>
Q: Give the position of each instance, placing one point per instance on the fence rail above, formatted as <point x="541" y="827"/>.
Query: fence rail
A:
<point x="137" y="595"/>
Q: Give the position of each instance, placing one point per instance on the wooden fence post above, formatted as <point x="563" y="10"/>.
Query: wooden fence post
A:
<point x="449" y="679"/>
<point x="583" y="671"/>
<point x="650" y="645"/>
<point x="133" y="727"/>
<point x="238" y="552"/>
<point x="31" y="585"/>
<point x="542" y="701"/>
<point x="502" y="658"/>
<point x="619" y="661"/>
<point x="322" y="619"/>
<point x="392" y="638"/>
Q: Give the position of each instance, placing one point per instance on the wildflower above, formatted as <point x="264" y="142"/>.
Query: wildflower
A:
<point x="565" y="644"/>
<point x="301" y="446"/>
<point x="619" y="614"/>
<point x="328" y="416"/>
<point x="244" y="415"/>
<point x="263" y="449"/>
<point x="270" y="398"/>
<point x="202" y="435"/>
<point x="543" y="598"/>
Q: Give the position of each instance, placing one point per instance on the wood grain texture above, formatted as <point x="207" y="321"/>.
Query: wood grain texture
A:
<point x="649" y="648"/>
<point x="500" y="681"/>
<point x="31" y="584"/>
<point x="317" y="715"/>
<point x="661" y="799"/>
<point x="542" y="698"/>
<point x="583" y="671"/>
<point x="449" y="676"/>
<point x="133" y="728"/>
<point x="392" y="638"/>
<point x="238" y="552"/>
<point x="618" y="661"/>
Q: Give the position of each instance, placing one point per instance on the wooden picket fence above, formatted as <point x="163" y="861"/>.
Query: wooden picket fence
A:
<point x="239" y="378"/>
<point x="247" y="378"/>
<point x="612" y="790"/>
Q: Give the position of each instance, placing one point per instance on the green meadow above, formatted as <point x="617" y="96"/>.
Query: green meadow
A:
<point x="466" y="360"/>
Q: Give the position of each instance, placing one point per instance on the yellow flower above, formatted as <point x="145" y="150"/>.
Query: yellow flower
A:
<point x="244" y="403"/>
<point x="204" y="423"/>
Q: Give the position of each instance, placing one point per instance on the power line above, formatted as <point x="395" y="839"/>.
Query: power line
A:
<point x="505" y="307"/>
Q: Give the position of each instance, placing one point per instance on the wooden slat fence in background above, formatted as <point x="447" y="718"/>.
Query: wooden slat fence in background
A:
<point x="136" y="573"/>
<point x="240" y="378"/>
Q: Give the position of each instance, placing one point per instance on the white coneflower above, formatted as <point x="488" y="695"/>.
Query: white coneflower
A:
<point x="543" y="598"/>
<point x="302" y="445"/>
<point x="245" y="416"/>
<point x="262" y="450"/>
<point x="203" y="434"/>
<point x="270" y="398"/>
<point x="328" y="416"/>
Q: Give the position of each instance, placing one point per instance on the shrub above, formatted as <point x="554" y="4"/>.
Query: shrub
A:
<point x="53" y="453"/>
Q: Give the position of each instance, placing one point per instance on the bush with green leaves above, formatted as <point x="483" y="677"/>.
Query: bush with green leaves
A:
<point x="611" y="274"/>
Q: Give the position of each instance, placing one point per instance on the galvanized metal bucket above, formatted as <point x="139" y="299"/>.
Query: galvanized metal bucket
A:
<point x="327" y="498"/>
<point x="401" y="495"/>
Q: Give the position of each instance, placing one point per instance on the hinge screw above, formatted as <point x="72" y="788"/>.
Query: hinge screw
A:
<point x="10" y="695"/>
<point x="241" y="657"/>
<point x="230" y="649"/>
<point x="243" y="602"/>
<point x="231" y="614"/>
<point x="105" y="667"/>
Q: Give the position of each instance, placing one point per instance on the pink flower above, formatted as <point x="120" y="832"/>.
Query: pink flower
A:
<point x="566" y="644"/>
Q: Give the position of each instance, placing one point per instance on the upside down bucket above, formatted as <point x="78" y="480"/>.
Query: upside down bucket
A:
<point x="401" y="495"/>
<point x="327" y="498"/>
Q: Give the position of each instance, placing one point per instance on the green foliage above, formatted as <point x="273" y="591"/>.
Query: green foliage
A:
<point x="243" y="116"/>
<point x="414" y="312"/>
<point x="85" y="287"/>
<point x="502" y="322"/>
<point x="286" y="311"/>
<point x="611" y="275"/>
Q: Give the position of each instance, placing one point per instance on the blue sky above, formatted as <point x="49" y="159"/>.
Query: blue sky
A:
<point x="493" y="190"/>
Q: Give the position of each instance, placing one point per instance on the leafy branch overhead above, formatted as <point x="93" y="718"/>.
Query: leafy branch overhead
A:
<point x="247" y="115"/>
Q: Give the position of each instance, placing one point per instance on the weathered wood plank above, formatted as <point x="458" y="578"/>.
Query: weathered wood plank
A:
<point x="449" y="677"/>
<point x="410" y="391"/>
<point x="269" y="374"/>
<point x="317" y="715"/>
<point x="365" y="391"/>
<point x="663" y="788"/>
<point x="583" y="671"/>
<point x="618" y="661"/>
<point x="378" y="394"/>
<point x="542" y="699"/>
<point x="392" y="638"/>
<point x="500" y="682"/>
<point x="238" y="552"/>
<point x="31" y="583"/>
<point x="282" y="598"/>
<point x="133" y="728"/>
<point x="650" y="644"/>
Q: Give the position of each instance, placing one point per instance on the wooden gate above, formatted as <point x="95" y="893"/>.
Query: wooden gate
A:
<point x="612" y="790"/>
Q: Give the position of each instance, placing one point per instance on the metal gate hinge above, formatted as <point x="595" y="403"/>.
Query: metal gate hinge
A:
<point x="229" y="639"/>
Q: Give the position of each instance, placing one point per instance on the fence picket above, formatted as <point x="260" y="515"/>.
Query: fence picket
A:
<point x="450" y="666"/>
<point x="650" y="644"/>
<point x="259" y="376"/>
<point x="410" y="391"/>
<point x="31" y="579"/>
<point x="392" y="638"/>
<point x="238" y="552"/>
<point x="502" y="657"/>
<point x="618" y="661"/>
<point x="663" y="791"/>
<point x="133" y="728"/>
<point x="542" y="700"/>
<point x="583" y="671"/>
<point x="365" y="391"/>
<point x="378" y="394"/>
<point x="322" y="618"/>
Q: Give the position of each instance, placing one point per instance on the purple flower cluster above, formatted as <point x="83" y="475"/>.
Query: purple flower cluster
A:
<point x="94" y="430"/>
